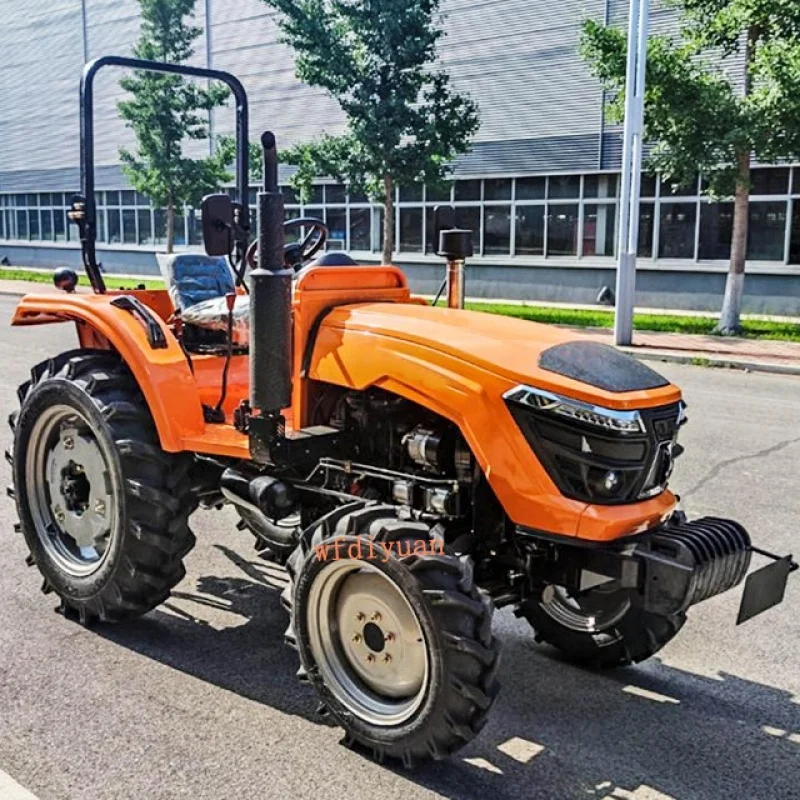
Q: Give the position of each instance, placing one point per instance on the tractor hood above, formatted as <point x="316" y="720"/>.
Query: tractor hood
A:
<point x="518" y="351"/>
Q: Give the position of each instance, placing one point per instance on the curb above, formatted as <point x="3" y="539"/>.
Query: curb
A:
<point x="698" y="359"/>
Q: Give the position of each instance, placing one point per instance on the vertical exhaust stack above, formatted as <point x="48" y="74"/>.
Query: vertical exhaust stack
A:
<point x="270" y="300"/>
<point x="456" y="246"/>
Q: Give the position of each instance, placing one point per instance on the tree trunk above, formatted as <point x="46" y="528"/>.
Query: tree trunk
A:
<point x="388" y="219"/>
<point x="170" y="224"/>
<point x="734" y="287"/>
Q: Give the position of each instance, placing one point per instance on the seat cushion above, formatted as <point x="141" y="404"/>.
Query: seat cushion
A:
<point x="193" y="278"/>
<point x="212" y="315"/>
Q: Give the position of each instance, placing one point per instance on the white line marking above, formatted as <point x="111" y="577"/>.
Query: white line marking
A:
<point x="648" y="695"/>
<point x="519" y="749"/>
<point x="482" y="763"/>
<point x="11" y="790"/>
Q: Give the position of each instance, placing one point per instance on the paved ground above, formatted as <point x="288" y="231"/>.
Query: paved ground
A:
<point x="199" y="700"/>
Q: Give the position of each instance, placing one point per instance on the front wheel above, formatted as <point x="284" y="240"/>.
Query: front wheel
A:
<point x="399" y="646"/>
<point x="600" y="629"/>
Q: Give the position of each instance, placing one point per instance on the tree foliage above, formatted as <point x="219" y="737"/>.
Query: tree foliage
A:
<point x="696" y="116"/>
<point x="165" y="110"/>
<point x="376" y="58"/>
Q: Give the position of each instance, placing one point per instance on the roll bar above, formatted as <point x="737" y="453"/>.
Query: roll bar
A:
<point x="84" y="210"/>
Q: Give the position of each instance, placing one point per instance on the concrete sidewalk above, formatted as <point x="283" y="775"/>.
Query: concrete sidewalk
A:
<point x="756" y="355"/>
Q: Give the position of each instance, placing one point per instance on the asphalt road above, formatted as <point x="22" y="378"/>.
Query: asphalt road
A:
<point x="199" y="698"/>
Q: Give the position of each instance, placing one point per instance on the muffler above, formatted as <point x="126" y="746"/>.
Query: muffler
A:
<point x="263" y="495"/>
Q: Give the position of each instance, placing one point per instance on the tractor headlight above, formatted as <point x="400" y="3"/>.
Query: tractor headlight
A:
<point x="597" y="454"/>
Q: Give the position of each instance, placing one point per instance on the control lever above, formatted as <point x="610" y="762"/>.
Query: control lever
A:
<point x="217" y="414"/>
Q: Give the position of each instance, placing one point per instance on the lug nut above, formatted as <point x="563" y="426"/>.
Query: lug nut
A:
<point x="386" y="658"/>
<point x="79" y="469"/>
<point x="59" y="514"/>
<point x="376" y="617"/>
<point x="69" y="443"/>
<point x="390" y="637"/>
<point x="356" y="637"/>
<point x="361" y="616"/>
<point x="100" y="508"/>
<point x="370" y="659"/>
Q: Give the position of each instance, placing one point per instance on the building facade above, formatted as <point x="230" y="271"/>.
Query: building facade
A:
<point x="539" y="188"/>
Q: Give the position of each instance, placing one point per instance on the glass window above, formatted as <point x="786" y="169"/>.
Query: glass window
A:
<point x="497" y="189"/>
<point x="438" y="192"/>
<point x="129" y="226"/>
<point x="600" y="185"/>
<point x="159" y="226"/>
<point x="46" y="218"/>
<point x="335" y="193"/>
<point x="411" y="194"/>
<point x="142" y="200"/>
<point x="180" y="227"/>
<point x="377" y="229"/>
<point x="530" y="188"/>
<point x="22" y="224"/>
<point x="530" y="231"/>
<point x="289" y="196"/>
<point x="469" y="218"/>
<point x="767" y="231"/>
<point x="562" y="230"/>
<point x="336" y="220"/>
<point x="467" y="190"/>
<point x="411" y="230"/>
<point x="101" y="226"/>
<point x="794" y="242"/>
<point x="315" y="198"/>
<point x="45" y="199"/>
<point x="676" y="231"/>
<point x="360" y="222"/>
<point x="564" y="186"/>
<point x="716" y="229"/>
<point x="59" y="225"/>
<point x="599" y="229"/>
<point x="646" y="225"/>
<point x="497" y="230"/>
<point x="145" y="226"/>
<point x="670" y="188"/>
<point x="32" y="200"/>
<point x="33" y="224"/>
<point x="112" y="198"/>
<point x="128" y="198"/>
<point x="114" y="226"/>
<point x="358" y="197"/>
<point x="769" y="181"/>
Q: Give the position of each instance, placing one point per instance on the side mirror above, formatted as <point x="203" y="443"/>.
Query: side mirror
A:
<point x="217" y="210"/>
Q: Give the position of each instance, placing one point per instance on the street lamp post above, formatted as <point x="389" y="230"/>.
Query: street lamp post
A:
<point x="631" y="170"/>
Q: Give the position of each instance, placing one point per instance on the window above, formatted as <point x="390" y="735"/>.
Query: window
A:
<point x="794" y="242"/>
<point x="129" y="226"/>
<point x="562" y="230"/>
<point x="469" y="218"/>
<point x="497" y="189"/>
<point x="439" y="193"/>
<point x="716" y="229"/>
<point x="671" y="188"/>
<point x="46" y="221"/>
<point x="767" y="231"/>
<point x="564" y="186"/>
<point x="145" y="226"/>
<point x="769" y="181"/>
<point x="676" y="232"/>
<point x="289" y="196"/>
<point x="647" y="214"/>
<point x="600" y="185"/>
<point x="530" y="188"/>
<point x="530" y="231"/>
<point x="335" y="193"/>
<point x="410" y="230"/>
<point x="411" y="194"/>
<point x="336" y="220"/>
<point x="59" y="225"/>
<point x="467" y="190"/>
<point x="114" y="226"/>
<point x="497" y="230"/>
<point x="599" y="229"/>
<point x="377" y="229"/>
<point x="360" y="225"/>
<point x="33" y="223"/>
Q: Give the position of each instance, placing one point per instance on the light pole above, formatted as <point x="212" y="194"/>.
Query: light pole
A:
<point x="631" y="170"/>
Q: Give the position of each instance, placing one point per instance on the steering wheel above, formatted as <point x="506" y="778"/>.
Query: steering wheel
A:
<point x="296" y="254"/>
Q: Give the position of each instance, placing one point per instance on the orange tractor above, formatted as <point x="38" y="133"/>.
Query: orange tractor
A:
<point x="413" y="466"/>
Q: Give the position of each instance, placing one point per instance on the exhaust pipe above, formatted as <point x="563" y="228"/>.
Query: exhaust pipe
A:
<point x="270" y="299"/>
<point x="456" y="246"/>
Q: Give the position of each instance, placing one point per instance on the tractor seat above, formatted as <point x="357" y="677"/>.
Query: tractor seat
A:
<point x="198" y="284"/>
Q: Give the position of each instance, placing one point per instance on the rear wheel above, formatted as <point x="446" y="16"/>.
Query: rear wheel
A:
<point x="103" y="509"/>
<point x="600" y="628"/>
<point x="399" y="646"/>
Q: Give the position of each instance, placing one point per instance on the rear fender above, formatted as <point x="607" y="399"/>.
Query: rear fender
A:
<point x="163" y="374"/>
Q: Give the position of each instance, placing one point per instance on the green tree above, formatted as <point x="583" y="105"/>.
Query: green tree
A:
<point x="164" y="110"/>
<point x="405" y="123"/>
<point x="696" y="118"/>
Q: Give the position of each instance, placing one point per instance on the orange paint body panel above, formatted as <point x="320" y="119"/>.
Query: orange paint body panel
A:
<point x="358" y="327"/>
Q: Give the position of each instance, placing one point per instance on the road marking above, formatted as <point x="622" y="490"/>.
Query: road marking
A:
<point x="648" y="695"/>
<point x="520" y="749"/>
<point x="11" y="790"/>
<point x="482" y="763"/>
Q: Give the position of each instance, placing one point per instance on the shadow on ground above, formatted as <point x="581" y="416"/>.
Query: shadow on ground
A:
<point x="555" y="732"/>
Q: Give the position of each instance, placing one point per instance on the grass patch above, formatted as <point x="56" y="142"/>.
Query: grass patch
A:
<point x="584" y="318"/>
<point x="11" y="274"/>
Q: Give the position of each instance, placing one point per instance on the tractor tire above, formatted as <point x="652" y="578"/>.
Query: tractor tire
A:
<point x="610" y="634"/>
<point x="103" y="509"/>
<point x="411" y="675"/>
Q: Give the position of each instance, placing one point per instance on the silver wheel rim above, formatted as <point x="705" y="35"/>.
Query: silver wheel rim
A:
<point x="70" y="491"/>
<point x="367" y="642"/>
<point x="594" y="612"/>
